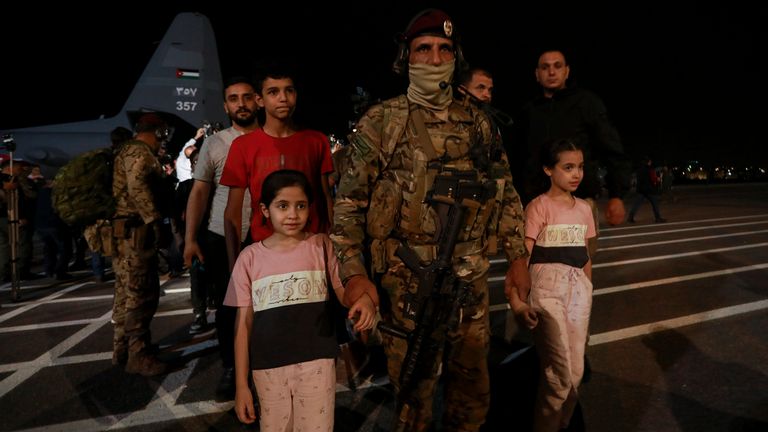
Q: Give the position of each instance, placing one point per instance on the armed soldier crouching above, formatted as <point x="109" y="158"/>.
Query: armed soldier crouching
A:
<point x="416" y="164"/>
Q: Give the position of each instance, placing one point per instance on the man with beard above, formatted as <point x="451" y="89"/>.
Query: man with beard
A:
<point x="204" y="249"/>
<point x="408" y="155"/>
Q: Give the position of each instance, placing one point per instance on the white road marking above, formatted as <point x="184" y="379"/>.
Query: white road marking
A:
<point x="678" y="255"/>
<point x="34" y="304"/>
<point x="178" y="290"/>
<point x="30" y="327"/>
<point x="635" y="227"/>
<point x="679" y="230"/>
<point x="675" y="279"/>
<point x="164" y="407"/>
<point x="47" y="358"/>
<point x="499" y="307"/>
<point x="684" y="240"/>
<point x="149" y="415"/>
<point x="164" y="401"/>
<point x="644" y="329"/>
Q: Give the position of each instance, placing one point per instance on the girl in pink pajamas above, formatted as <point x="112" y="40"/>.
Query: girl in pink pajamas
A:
<point x="284" y="337"/>
<point x="557" y="227"/>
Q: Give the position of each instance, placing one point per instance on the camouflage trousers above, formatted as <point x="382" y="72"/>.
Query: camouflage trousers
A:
<point x="466" y="395"/>
<point x="137" y="294"/>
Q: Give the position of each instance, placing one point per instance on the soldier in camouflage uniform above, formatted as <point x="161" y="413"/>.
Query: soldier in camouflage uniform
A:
<point x="381" y="203"/>
<point x="136" y="225"/>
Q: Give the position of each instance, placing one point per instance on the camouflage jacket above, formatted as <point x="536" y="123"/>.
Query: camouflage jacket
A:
<point x="381" y="151"/>
<point x="137" y="177"/>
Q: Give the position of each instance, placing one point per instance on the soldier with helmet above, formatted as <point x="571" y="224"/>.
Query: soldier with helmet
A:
<point x="401" y="150"/>
<point x="136" y="228"/>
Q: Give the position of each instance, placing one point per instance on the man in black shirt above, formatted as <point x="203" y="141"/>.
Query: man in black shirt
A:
<point x="570" y="112"/>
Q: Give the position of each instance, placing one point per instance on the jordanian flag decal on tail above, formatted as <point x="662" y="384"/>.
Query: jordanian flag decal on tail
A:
<point x="187" y="74"/>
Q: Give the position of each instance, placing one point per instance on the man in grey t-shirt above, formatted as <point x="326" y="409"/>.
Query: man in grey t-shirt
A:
<point x="205" y="250"/>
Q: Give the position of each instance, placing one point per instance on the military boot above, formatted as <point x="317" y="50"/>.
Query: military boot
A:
<point x="120" y="357"/>
<point x="119" y="352"/>
<point x="144" y="364"/>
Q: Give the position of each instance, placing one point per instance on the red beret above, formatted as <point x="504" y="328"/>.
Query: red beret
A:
<point x="151" y="120"/>
<point x="432" y="22"/>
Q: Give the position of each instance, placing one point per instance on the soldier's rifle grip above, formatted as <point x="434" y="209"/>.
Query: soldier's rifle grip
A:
<point x="410" y="258"/>
<point x="394" y="330"/>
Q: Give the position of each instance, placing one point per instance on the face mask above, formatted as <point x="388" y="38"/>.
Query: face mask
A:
<point x="425" y="85"/>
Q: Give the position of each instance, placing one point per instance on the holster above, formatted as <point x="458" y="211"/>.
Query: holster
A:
<point x="139" y="237"/>
<point x="132" y="228"/>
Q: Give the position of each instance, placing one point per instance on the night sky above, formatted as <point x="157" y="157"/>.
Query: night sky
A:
<point x="680" y="82"/>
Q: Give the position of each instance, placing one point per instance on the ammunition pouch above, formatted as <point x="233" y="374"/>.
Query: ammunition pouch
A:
<point x="386" y="199"/>
<point x="100" y="238"/>
<point x="378" y="251"/>
<point x="134" y="229"/>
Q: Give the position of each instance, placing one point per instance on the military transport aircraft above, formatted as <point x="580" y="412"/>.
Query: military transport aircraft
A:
<point x="182" y="82"/>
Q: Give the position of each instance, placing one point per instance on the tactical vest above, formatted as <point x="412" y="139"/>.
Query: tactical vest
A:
<point x="418" y="162"/>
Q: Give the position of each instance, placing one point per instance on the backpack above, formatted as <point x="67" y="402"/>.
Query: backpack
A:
<point x="82" y="189"/>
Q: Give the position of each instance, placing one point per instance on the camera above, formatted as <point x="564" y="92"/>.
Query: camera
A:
<point x="208" y="128"/>
<point x="166" y="159"/>
<point x="8" y="143"/>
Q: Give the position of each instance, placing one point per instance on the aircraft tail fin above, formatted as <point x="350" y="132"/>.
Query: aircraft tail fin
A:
<point x="183" y="77"/>
<point x="182" y="82"/>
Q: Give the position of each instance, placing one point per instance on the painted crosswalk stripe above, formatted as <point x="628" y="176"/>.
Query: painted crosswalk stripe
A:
<point x="679" y="255"/>
<point x="675" y="279"/>
<point x="654" y="327"/>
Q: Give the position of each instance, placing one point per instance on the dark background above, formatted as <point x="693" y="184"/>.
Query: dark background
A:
<point x="681" y="81"/>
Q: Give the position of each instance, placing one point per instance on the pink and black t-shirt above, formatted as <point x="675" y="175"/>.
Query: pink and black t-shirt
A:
<point x="288" y="292"/>
<point x="560" y="229"/>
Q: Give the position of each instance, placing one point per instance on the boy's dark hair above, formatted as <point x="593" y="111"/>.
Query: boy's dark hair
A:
<point x="550" y="152"/>
<point x="238" y="79"/>
<point x="274" y="70"/>
<point x="284" y="178"/>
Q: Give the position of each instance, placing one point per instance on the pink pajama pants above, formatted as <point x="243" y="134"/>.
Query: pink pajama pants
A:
<point x="562" y="297"/>
<point x="298" y="397"/>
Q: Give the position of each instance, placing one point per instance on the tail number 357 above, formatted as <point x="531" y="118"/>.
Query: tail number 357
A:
<point x="186" y="106"/>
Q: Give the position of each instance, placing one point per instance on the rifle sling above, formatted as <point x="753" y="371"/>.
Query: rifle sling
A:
<point x="427" y="253"/>
<point x="420" y="135"/>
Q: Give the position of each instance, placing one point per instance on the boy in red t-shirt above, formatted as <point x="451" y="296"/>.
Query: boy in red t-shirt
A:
<point x="279" y="144"/>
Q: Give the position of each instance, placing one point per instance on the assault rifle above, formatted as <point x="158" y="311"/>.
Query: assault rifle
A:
<point x="435" y="307"/>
